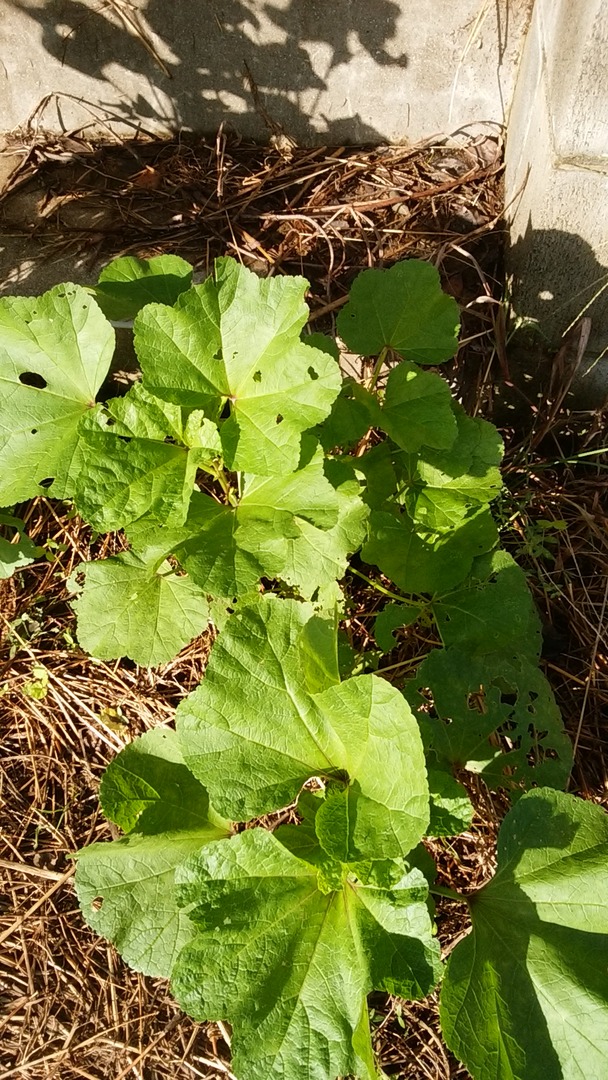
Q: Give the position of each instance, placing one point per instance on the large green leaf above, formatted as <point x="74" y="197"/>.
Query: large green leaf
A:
<point x="126" y="888"/>
<point x="451" y="484"/>
<point x="136" y="463"/>
<point x="299" y="528"/>
<point x="128" y="284"/>
<point x="525" y="996"/>
<point x="312" y="558"/>
<point x="418" y="409"/>
<point x="289" y="965"/>
<point x="133" y="606"/>
<point x="403" y="308"/>
<point x="256" y="730"/>
<point x="492" y="612"/>
<point x="426" y="565"/>
<point x="236" y="340"/>
<point x="476" y="698"/>
<point x="55" y="352"/>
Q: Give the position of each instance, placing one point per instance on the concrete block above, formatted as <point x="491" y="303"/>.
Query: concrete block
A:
<point x="557" y="178"/>
<point x="348" y="71"/>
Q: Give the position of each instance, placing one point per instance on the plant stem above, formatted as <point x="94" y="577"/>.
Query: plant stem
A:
<point x="451" y="894"/>
<point x="377" y="368"/>
<point x="220" y="476"/>
<point x="386" y="592"/>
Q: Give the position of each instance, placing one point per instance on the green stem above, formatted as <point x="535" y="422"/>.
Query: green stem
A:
<point x="220" y="476"/>
<point x="451" y="894"/>
<point x="377" y="368"/>
<point x="386" y="592"/>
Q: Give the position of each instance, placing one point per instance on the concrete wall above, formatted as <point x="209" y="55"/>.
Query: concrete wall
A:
<point x="353" y="71"/>
<point x="557" y="172"/>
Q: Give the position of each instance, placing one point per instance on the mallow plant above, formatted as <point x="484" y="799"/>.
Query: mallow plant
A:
<point x="251" y="481"/>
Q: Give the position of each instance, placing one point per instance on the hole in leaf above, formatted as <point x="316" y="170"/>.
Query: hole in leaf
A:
<point x="97" y="903"/>
<point x="31" y="378"/>
<point x="279" y="419"/>
<point x="508" y="699"/>
<point x="34" y="431"/>
<point x="225" y="413"/>
<point x="46" y="483"/>
<point x="218" y="355"/>
<point x="313" y="374"/>
<point x="257" y="376"/>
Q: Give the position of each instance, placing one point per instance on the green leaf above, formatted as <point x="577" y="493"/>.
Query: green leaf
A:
<point x="289" y="965"/>
<point x="128" y="284"/>
<point x="133" y="464"/>
<point x="314" y="559"/>
<point x="451" y="808"/>
<point x="236" y="339"/>
<point x="394" y="617"/>
<point x="126" y="888"/>
<point x="132" y="606"/>
<point x="454" y="483"/>
<point x="403" y="308"/>
<point x="477" y="697"/>
<point x="525" y="996"/>
<point x="55" y="352"/>
<point x="493" y="612"/>
<point x="418" y="409"/>
<point x="425" y="565"/>
<point x="297" y="527"/>
<point x="376" y="468"/>
<point x="254" y="741"/>
<point x="17" y="551"/>
<point x="353" y="412"/>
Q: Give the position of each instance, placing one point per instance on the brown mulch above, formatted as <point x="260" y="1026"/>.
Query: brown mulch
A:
<point x="70" y="1006"/>
<point x="323" y="213"/>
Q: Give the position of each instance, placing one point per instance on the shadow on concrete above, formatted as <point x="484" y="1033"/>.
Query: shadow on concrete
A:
<point x="557" y="282"/>
<point x="213" y="47"/>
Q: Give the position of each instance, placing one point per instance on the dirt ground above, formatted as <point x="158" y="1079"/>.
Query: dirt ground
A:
<point x="70" y="1007"/>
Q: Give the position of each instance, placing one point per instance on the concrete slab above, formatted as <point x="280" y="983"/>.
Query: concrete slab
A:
<point x="348" y="71"/>
<point x="557" y="179"/>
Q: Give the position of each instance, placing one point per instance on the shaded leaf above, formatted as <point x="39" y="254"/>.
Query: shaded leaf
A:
<point x="426" y="565"/>
<point x="451" y="808"/>
<point x="477" y="698"/>
<point x="403" y="308"/>
<point x="126" y="888"/>
<point x="493" y="612"/>
<point x="127" y="284"/>
<point x="525" y="996"/>
<point x="289" y="965"/>
<point x="394" y="617"/>
<point x="417" y="409"/>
